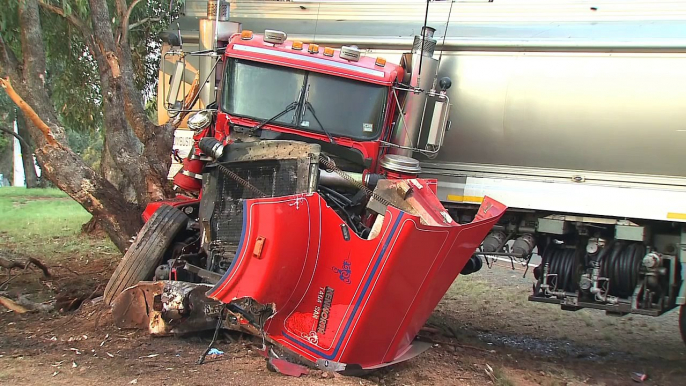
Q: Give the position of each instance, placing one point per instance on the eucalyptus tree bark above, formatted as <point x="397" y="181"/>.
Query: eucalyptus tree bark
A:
<point x="137" y="147"/>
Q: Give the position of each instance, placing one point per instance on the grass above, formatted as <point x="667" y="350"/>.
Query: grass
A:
<point x="46" y="223"/>
<point x="501" y="379"/>
<point x="31" y="193"/>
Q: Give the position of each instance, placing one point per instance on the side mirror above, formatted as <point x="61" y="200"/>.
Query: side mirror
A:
<point x="175" y="85"/>
<point x="171" y="38"/>
<point x="439" y="119"/>
<point x="439" y="123"/>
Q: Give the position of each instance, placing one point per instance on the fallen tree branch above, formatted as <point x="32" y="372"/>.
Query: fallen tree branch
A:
<point x="28" y="111"/>
<point x="10" y="264"/>
<point x="33" y="306"/>
<point x="10" y="304"/>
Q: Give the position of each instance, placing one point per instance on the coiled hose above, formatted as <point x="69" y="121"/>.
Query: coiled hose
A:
<point x="620" y="262"/>
<point x="562" y="263"/>
<point x="621" y="265"/>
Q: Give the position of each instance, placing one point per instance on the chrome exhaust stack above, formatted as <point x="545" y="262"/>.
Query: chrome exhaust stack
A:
<point x="214" y="29"/>
<point x="422" y="68"/>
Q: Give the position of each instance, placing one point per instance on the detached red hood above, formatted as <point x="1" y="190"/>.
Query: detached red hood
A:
<point x="339" y="300"/>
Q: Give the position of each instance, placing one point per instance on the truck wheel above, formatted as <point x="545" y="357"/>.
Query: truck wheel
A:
<point x="682" y="322"/>
<point x="147" y="251"/>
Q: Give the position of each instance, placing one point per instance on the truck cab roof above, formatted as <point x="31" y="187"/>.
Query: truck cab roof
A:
<point x="311" y="57"/>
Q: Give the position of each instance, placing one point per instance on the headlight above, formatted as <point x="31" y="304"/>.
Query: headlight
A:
<point x="200" y="120"/>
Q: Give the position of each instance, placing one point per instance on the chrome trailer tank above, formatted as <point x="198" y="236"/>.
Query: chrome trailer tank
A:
<point x="554" y="86"/>
<point x="542" y="93"/>
<point x="603" y="109"/>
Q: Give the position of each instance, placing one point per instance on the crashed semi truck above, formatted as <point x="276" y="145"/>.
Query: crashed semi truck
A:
<point x="349" y="160"/>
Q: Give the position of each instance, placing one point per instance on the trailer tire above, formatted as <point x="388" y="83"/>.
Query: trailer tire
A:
<point x="147" y="250"/>
<point x="682" y="322"/>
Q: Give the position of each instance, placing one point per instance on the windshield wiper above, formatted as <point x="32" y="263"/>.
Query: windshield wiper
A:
<point x="308" y="106"/>
<point x="288" y="108"/>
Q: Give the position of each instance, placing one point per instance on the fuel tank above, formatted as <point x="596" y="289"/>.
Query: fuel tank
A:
<point x="568" y="85"/>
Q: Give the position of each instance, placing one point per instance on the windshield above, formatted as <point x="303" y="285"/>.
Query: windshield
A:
<point x="261" y="91"/>
<point x="343" y="106"/>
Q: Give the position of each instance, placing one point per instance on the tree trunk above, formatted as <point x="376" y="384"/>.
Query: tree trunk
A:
<point x="27" y="154"/>
<point x="138" y="151"/>
<point x="120" y="219"/>
<point x="112" y="173"/>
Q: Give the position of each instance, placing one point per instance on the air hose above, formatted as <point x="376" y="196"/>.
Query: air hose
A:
<point x="621" y="266"/>
<point x="562" y="263"/>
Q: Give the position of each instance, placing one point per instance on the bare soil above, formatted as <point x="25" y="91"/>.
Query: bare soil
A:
<point x="483" y="321"/>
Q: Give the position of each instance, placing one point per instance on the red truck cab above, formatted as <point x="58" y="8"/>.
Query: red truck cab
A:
<point x="308" y="230"/>
<point x="351" y="99"/>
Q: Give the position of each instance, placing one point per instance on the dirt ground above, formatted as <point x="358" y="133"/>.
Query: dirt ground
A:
<point x="483" y="321"/>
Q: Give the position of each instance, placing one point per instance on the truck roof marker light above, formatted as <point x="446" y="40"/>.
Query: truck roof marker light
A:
<point x="311" y="59"/>
<point x="351" y="53"/>
<point x="328" y="51"/>
<point x="246" y="34"/>
<point x="313" y="48"/>
<point x="274" y="36"/>
<point x="297" y="45"/>
<point x="380" y="61"/>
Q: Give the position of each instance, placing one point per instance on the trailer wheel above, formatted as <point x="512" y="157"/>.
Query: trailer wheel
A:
<point x="682" y="322"/>
<point x="147" y="251"/>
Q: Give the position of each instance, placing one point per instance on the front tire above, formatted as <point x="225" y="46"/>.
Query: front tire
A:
<point x="682" y="322"/>
<point x="147" y="251"/>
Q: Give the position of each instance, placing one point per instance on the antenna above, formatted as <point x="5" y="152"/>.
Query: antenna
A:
<point x="316" y="23"/>
<point x="426" y="18"/>
<point x="445" y="34"/>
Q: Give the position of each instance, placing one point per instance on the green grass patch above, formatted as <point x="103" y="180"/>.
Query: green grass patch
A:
<point x="46" y="223"/>
<point x="32" y="193"/>
<point x="501" y="378"/>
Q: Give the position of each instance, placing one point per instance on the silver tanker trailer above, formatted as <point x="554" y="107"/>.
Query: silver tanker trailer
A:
<point x="572" y="113"/>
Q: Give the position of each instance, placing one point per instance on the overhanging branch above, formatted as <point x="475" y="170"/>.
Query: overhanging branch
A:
<point x="144" y="21"/>
<point x="28" y="111"/>
<point x="125" y="22"/>
<point x="17" y="136"/>
<point x="71" y="18"/>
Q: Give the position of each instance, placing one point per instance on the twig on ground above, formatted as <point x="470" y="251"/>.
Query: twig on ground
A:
<point x="4" y="283"/>
<point x="491" y="373"/>
<point x="67" y="268"/>
<point x="427" y="339"/>
<point x="10" y="264"/>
